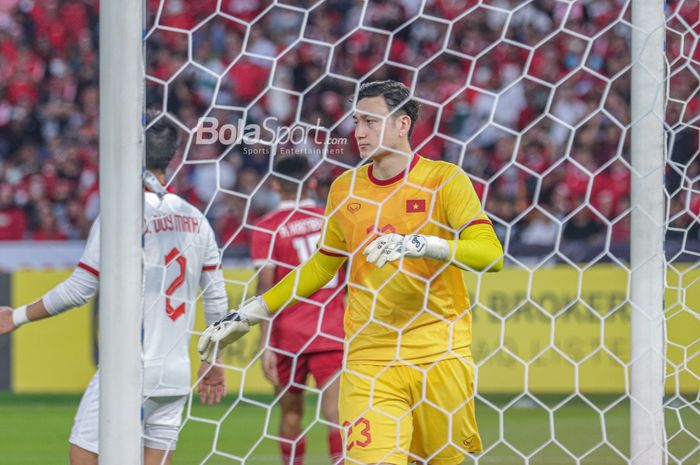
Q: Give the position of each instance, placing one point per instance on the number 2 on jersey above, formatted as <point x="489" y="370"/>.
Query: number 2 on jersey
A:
<point x="305" y="246"/>
<point x="175" y="312"/>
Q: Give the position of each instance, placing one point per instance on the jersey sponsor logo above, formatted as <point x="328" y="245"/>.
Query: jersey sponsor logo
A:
<point x="415" y="206"/>
<point x="354" y="207"/>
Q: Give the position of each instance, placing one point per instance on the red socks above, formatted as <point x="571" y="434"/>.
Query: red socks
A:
<point x="335" y="447"/>
<point x="299" y="451"/>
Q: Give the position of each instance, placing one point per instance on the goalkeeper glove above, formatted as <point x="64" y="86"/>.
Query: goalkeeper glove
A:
<point x="391" y="247"/>
<point x="231" y="327"/>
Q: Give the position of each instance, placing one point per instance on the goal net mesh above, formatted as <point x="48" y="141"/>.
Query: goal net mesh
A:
<point x="532" y="99"/>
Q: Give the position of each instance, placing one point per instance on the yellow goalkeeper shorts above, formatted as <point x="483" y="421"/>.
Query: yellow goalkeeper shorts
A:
<point x="401" y="414"/>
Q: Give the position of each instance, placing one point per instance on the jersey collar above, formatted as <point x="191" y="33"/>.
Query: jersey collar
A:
<point x="398" y="177"/>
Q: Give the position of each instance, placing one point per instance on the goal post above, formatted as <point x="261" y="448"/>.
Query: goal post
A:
<point x="647" y="261"/>
<point x="121" y="218"/>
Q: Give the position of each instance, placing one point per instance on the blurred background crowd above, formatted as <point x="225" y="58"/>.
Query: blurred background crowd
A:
<point x="541" y="127"/>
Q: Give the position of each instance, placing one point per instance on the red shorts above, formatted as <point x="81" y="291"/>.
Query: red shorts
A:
<point x="322" y="365"/>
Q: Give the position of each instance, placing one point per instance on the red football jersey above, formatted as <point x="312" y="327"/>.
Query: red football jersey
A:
<point x="289" y="236"/>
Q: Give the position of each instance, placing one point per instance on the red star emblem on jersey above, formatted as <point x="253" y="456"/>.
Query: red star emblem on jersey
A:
<point x="415" y="206"/>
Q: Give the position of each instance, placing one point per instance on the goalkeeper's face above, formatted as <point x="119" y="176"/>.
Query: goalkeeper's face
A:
<point x="377" y="131"/>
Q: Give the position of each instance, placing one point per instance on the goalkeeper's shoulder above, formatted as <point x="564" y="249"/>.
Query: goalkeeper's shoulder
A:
<point x="342" y="185"/>
<point x="444" y="168"/>
<point x="438" y="169"/>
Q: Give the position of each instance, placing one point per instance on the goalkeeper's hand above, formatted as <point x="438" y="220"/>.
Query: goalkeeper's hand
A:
<point x="391" y="247"/>
<point x="231" y="328"/>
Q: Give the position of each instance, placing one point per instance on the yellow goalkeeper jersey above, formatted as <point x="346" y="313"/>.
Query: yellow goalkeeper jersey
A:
<point x="415" y="310"/>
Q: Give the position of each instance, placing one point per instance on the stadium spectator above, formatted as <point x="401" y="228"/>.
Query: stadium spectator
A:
<point x="48" y="96"/>
<point x="13" y="221"/>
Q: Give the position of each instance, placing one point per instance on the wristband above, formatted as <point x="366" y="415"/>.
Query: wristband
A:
<point x="254" y="311"/>
<point x="437" y="248"/>
<point x="19" y="316"/>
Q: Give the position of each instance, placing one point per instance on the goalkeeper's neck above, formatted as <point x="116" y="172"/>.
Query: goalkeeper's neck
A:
<point x="392" y="163"/>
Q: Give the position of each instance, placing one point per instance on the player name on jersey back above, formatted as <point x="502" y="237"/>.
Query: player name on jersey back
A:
<point x="172" y="223"/>
<point x="301" y="227"/>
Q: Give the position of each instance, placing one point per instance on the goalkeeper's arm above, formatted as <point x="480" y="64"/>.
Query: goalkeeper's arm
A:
<point x="303" y="281"/>
<point x="477" y="248"/>
<point x="73" y="292"/>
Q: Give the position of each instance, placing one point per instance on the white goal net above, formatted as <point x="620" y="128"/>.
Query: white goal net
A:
<point x="534" y="100"/>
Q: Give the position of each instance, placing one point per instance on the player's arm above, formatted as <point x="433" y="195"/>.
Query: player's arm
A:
<point x="303" y="281"/>
<point x="476" y="247"/>
<point x="214" y="298"/>
<point x="75" y="291"/>
<point x="212" y="384"/>
<point x="266" y="278"/>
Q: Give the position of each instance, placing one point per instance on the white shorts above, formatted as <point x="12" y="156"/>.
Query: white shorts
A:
<point x="162" y="417"/>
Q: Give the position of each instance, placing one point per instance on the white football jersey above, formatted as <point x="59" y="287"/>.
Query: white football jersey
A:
<point x="179" y="244"/>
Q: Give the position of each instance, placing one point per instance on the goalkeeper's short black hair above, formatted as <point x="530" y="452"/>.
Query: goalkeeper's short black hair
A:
<point x="162" y="140"/>
<point x="395" y="95"/>
<point x="293" y="166"/>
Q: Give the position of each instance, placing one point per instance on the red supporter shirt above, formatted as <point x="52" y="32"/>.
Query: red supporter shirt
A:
<point x="13" y="224"/>
<point x="293" y="233"/>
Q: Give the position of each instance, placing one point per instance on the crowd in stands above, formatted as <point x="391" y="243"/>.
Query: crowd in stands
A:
<point x="541" y="127"/>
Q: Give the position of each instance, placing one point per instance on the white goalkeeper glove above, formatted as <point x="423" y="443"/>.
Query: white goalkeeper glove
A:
<point x="231" y="328"/>
<point x="391" y="247"/>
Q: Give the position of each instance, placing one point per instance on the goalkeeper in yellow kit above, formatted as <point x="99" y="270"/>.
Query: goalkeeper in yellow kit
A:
<point x="407" y="225"/>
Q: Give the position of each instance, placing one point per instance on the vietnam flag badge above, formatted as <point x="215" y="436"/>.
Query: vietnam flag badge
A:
<point x="415" y="206"/>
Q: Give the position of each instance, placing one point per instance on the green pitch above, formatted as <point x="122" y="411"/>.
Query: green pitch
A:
<point x="35" y="430"/>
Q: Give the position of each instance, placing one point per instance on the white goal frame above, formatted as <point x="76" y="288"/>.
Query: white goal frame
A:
<point x="121" y="217"/>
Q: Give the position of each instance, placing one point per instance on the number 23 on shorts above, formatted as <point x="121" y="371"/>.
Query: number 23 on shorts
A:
<point x="358" y="434"/>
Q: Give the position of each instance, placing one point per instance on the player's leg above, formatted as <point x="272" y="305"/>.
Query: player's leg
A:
<point x="292" y="406"/>
<point x="293" y="448"/>
<point x="449" y="387"/>
<point x="84" y="435"/>
<point x="325" y="368"/>
<point x="374" y="405"/>
<point x="162" y="417"/>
